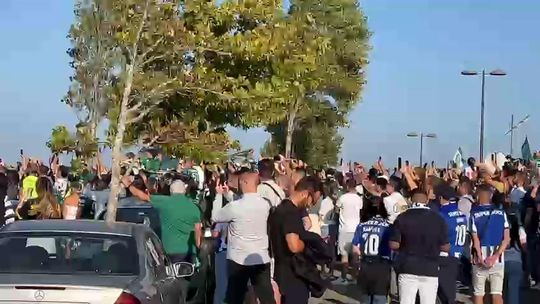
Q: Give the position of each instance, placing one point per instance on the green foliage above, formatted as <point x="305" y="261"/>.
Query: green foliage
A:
<point x="93" y="55"/>
<point x="82" y="142"/>
<point x="61" y="140"/>
<point x="336" y="74"/>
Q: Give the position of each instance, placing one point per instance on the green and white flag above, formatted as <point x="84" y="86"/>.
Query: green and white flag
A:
<point x="458" y="158"/>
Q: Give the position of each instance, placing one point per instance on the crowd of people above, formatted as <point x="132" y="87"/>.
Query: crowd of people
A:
<point x="280" y="230"/>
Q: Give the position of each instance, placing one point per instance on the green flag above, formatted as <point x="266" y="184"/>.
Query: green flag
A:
<point x="526" y="150"/>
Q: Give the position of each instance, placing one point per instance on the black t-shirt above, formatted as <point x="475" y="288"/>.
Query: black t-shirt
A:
<point x="530" y="203"/>
<point x="287" y="218"/>
<point x="421" y="232"/>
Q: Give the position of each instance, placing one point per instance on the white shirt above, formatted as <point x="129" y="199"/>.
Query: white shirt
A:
<point x="394" y="204"/>
<point x="247" y="231"/>
<point x="469" y="172"/>
<point x="517" y="194"/>
<point x="271" y="191"/>
<point x="349" y="205"/>
<point x="326" y="211"/>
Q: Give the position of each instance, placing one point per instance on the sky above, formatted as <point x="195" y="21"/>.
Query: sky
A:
<point x="413" y="83"/>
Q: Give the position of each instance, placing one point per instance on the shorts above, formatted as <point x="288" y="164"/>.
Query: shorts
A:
<point x="345" y="243"/>
<point x="374" y="276"/>
<point x="495" y="276"/>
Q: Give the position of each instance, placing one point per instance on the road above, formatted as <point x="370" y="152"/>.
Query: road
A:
<point x="348" y="294"/>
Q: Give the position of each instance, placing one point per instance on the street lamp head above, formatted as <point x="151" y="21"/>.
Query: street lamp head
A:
<point x="412" y="134"/>
<point x="431" y="135"/>
<point x="497" y="72"/>
<point x="469" y="73"/>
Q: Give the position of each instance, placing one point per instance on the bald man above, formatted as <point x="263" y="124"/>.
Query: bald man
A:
<point x="248" y="258"/>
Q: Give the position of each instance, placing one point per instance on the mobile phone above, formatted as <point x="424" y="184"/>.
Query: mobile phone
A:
<point x="380" y="158"/>
<point x="407" y="163"/>
<point x="399" y="163"/>
<point x="22" y="152"/>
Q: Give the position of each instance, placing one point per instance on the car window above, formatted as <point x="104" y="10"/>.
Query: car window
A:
<point x="68" y="254"/>
<point x="156" y="255"/>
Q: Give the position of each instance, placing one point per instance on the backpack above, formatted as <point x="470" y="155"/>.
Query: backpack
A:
<point x="271" y="212"/>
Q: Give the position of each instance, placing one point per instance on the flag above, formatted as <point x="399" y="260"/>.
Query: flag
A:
<point x="526" y="151"/>
<point x="458" y="158"/>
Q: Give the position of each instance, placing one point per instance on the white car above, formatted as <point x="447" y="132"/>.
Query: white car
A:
<point x="62" y="261"/>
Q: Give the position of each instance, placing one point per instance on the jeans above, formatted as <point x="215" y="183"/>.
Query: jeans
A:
<point x="366" y="299"/>
<point x="448" y="274"/>
<point x="513" y="273"/>
<point x="532" y="256"/>
<point x="410" y="285"/>
<point x="258" y="275"/>
<point x="221" y="277"/>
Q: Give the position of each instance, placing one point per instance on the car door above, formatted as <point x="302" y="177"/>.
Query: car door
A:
<point x="164" y="278"/>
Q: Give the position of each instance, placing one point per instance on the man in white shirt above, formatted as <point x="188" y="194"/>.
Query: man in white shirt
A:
<point x="349" y="205"/>
<point x="394" y="203"/>
<point x="247" y="243"/>
<point x="268" y="187"/>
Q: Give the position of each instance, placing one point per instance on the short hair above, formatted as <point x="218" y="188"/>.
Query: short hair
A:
<point x="266" y="168"/>
<point x="309" y="183"/>
<point x="64" y="171"/>
<point x="416" y="193"/>
<point x="484" y="188"/>
<point x="178" y="187"/>
<point x="351" y="184"/>
<point x="471" y="161"/>
<point x="395" y="182"/>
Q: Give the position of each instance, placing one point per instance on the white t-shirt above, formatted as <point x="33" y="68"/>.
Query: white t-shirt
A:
<point x="469" y="172"/>
<point x="394" y="204"/>
<point x="349" y="205"/>
<point x="326" y="211"/>
<point x="271" y="191"/>
<point x="517" y="194"/>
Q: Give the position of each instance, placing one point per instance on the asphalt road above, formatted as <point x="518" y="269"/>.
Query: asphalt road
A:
<point x="348" y="294"/>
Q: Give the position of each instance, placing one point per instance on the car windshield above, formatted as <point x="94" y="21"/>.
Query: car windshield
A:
<point x="68" y="254"/>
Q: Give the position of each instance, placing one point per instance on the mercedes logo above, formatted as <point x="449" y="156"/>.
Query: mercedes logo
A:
<point x="39" y="295"/>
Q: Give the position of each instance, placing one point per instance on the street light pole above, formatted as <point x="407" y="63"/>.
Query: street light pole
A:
<point x="421" y="147"/>
<point x="515" y="127"/>
<point x="422" y="136"/>
<point x="482" y="110"/>
<point x="512" y="135"/>
<point x="482" y="102"/>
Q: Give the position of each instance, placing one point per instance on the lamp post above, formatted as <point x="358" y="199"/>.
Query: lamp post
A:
<point x="482" y="104"/>
<point x="422" y="135"/>
<point x="513" y="128"/>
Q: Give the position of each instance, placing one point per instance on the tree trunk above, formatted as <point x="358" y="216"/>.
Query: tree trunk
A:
<point x="290" y="129"/>
<point x="117" y="149"/>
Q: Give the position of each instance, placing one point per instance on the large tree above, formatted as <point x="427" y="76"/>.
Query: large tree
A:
<point x="179" y="66"/>
<point x="338" y="73"/>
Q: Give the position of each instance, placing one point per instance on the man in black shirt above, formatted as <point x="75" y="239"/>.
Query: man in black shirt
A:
<point x="419" y="235"/>
<point x="286" y="228"/>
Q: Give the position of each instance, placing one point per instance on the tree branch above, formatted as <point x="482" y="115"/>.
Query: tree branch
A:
<point x="151" y="48"/>
<point x="228" y="97"/>
<point x="139" y="33"/>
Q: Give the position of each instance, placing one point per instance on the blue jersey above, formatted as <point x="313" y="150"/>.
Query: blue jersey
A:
<point x="457" y="228"/>
<point x="373" y="238"/>
<point x="489" y="223"/>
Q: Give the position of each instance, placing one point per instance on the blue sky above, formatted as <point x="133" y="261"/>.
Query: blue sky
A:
<point x="413" y="80"/>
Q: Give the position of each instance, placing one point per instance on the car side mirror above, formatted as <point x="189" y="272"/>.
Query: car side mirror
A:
<point x="183" y="269"/>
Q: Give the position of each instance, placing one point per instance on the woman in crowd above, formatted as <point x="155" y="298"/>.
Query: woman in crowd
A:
<point x="48" y="206"/>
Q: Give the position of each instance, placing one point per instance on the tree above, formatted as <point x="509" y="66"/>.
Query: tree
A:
<point x="92" y="54"/>
<point x="317" y="141"/>
<point x="195" y="58"/>
<point x="337" y="72"/>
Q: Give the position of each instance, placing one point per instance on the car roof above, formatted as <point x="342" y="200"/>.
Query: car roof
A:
<point x="78" y="226"/>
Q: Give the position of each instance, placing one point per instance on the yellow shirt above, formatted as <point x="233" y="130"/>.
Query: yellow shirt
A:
<point x="29" y="187"/>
